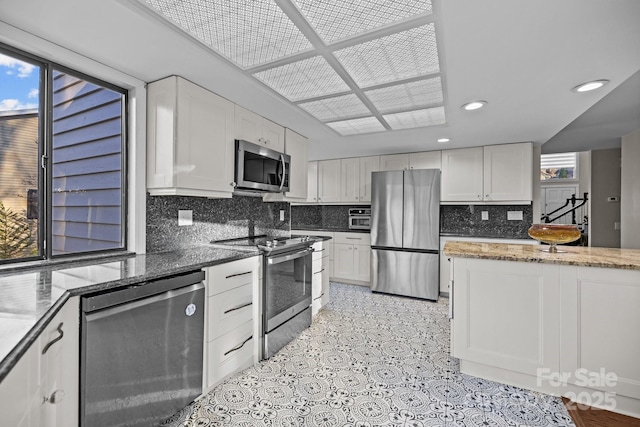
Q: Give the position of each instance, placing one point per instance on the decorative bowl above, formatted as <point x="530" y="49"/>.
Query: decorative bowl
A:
<point x="553" y="234"/>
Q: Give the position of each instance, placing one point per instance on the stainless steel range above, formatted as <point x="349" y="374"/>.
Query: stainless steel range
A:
<point x="286" y="287"/>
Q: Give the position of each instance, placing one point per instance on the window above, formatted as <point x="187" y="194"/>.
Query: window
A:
<point x="62" y="161"/>
<point x="558" y="166"/>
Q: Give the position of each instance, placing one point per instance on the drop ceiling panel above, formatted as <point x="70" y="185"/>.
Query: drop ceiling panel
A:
<point x="304" y="79"/>
<point x="418" y="94"/>
<point x="338" y="19"/>
<point x="336" y="107"/>
<point x="417" y="118"/>
<point x="356" y="126"/>
<point x="345" y="62"/>
<point x="402" y="55"/>
<point x="246" y="32"/>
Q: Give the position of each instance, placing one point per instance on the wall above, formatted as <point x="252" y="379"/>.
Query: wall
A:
<point x="213" y="219"/>
<point x="606" y="173"/>
<point x="630" y="191"/>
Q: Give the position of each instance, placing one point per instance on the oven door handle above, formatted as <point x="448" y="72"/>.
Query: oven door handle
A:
<point x="277" y="259"/>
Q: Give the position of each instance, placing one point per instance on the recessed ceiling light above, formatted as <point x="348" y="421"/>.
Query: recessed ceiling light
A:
<point x="474" y="105"/>
<point x="443" y="140"/>
<point x="586" y="87"/>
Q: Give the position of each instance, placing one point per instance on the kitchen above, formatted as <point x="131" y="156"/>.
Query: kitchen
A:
<point x="129" y="57"/>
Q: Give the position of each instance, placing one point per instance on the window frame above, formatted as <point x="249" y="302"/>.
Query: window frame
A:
<point x="45" y="159"/>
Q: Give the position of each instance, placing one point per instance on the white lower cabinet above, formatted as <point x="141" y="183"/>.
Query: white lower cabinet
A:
<point x="352" y="257"/>
<point x="232" y="327"/>
<point x="560" y="329"/>
<point x="320" y="276"/>
<point x="42" y="389"/>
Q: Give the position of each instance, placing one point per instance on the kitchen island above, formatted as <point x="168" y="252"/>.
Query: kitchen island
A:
<point x="560" y="323"/>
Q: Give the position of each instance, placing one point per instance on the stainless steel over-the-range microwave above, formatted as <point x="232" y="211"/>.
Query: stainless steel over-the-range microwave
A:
<point x="259" y="168"/>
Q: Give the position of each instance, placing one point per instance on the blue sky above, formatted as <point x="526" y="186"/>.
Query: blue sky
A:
<point x="19" y="83"/>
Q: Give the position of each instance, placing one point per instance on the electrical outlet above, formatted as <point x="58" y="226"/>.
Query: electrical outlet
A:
<point x="485" y="215"/>
<point x="616" y="225"/>
<point x="281" y="214"/>
<point x="514" y="215"/>
<point x="185" y="217"/>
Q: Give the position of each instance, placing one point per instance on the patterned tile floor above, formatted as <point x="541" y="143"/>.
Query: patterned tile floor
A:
<point x="369" y="360"/>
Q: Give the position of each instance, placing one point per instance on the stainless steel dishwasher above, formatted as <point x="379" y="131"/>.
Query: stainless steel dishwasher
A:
<point x="141" y="353"/>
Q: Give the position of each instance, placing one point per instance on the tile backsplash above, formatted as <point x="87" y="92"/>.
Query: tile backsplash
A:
<point x="466" y="220"/>
<point x="321" y="217"/>
<point x="213" y="219"/>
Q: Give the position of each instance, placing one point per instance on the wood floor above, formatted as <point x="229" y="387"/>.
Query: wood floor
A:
<point x="585" y="416"/>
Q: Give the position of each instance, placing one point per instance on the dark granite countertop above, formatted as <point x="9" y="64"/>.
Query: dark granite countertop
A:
<point x="329" y="229"/>
<point x="32" y="297"/>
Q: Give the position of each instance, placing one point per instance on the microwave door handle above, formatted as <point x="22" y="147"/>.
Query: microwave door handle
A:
<point x="284" y="171"/>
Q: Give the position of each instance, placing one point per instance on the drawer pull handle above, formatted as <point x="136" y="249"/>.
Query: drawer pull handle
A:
<point x="55" y="340"/>
<point x="353" y="238"/>
<point x="321" y="250"/>
<point x="238" y="307"/>
<point x="318" y="272"/>
<point x="237" y="274"/>
<point x="240" y="346"/>
<point x="321" y="295"/>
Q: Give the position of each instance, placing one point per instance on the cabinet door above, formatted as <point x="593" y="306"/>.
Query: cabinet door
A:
<point x="204" y="155"/>
<point x="367" y="165"/>
<point x="312" y="182"/>
<point x="350" y="180"/>
<point x="59" y="368"/>
<point x="248" y="125"/>
<point x="462" y="175"/>
<point x="343" y="262"/>
<point x="254" y="128"/>
<point x="394" y="162"/>
<point x="274" y="136"/>
<point x="425" y="160"/>
<point x="362" y="262"/>
<point x="329" y="181"/>
<point x="296" y="147"/>
<point x="508" y="172"/>
<point x="19" y="391"/>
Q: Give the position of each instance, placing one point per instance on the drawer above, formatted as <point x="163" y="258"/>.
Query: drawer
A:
<point x="353" y="238"/>
<point x="321" y="252"/>
<point x="223" y="277"/>
<point x="230" y="353"/>
<point x="229" y="310"/>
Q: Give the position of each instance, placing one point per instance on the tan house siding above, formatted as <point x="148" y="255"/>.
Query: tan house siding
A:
<point x="18" y="158"/>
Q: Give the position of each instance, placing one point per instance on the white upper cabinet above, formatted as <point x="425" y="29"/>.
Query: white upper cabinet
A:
<point x="190" y="148"/>
<point x="367" y="166"/>
<point x="462" y="175"/>
<point x="508" y="173"/>
<point x="251" y="127"/>
<point x="329" y="172"/>
<point x="312" y="182"/>
<point x="394" y="162"/>
<point x="350" y="180"/>
<point x="495" y="173"/>
<point x="296" y="146"/>
<point x="425" y="160"/>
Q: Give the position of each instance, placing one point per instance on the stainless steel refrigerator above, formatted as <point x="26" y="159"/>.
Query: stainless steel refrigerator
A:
<point x="405" y="233"/>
